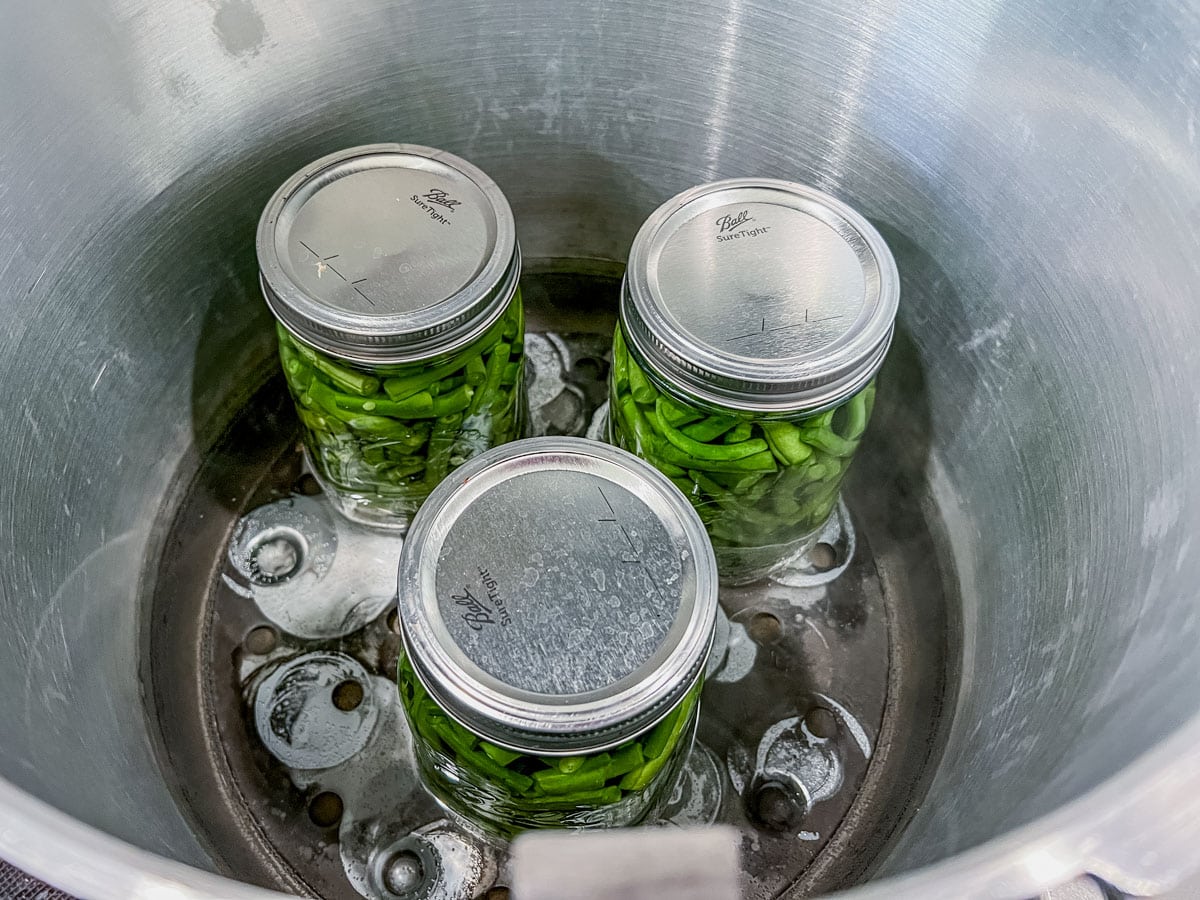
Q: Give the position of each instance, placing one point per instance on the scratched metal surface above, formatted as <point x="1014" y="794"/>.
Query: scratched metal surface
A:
<point x="1032" y="163"/>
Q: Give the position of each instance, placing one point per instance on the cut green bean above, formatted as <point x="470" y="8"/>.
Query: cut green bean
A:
<point x="758" y="462"/>
<point x="739" y="432"/>
<point x="701" y="450"/>
<point x="626" y="760"/>
<point x="554" y="782"/>
<point x="826" y="441"/>
<point x="346" y="379"/>
<point x="640" y="387"/>
<point x="786" y="442"/>
<point x="491" y="381"/>
<point x="569" y="764"/>
<point x="398" y="388"/>
<point x="476" y="371"/>
<point x="709" y="428"/>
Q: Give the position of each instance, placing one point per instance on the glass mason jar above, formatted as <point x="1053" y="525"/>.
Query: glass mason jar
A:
<point x="552" y="679"/>
<point x="392" y="272"/>
<point x="754" y="316"/>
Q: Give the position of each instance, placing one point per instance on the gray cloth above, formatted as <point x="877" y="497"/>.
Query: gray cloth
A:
<point x="629" y="863"/>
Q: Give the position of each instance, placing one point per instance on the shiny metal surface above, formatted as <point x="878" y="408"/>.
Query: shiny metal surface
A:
<point x="387" y="253"/>
<point x="1033" y="167"/>
<point x="760" y="294"/>
<point x="557" y="595"/>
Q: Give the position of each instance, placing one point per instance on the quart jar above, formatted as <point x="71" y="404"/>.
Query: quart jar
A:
<point x="392" y="271"/>
<point x="754" y="316"/>
<point x="557" y="600"/>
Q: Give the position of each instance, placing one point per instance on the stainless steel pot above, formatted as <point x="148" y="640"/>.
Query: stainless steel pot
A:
<point x="1033" y="164"/>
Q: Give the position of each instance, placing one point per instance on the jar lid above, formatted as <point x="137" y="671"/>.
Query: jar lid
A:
<point x="557" y="595"/>
<point x="388" y="253"/>
<point x="760" y="295"/>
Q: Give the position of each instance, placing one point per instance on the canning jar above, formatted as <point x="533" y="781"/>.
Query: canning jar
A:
<point x="557" y="599"/>
<point x="754" y="316"/>
<point x="392" y="272"/>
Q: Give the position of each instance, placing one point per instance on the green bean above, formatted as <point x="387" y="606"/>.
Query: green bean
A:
<point x="398" y="388"/>
<point x="569" y="764"/>
<point x="483" y="764"/>
<point x="554" y="782"/>
<point x="457" y="739"/>
<point x="455" y="401"/>
<point x="709" y="429"/>
<point x="857" y="413"/>
<point x="675" y="413"/>
<point x="511" y="372"/>
<point x="740" y="432"/>
<point x="758" y="462"/>
<point x="787" y="445"/>
<point x="511" y="324"/>
<point x="403" y="469"/>
<point x="635" y="423"/>
<point x="324" y="398"/>
<point x="446" y="385"/>
<point x="476" y="371"/>
<point x="686" y="486"/>
<point x="603" y="797"/>
<point x="826" y="441"/>
<point x="640" y="387"/>
<point x="378" y="426"/>
<point x="346" y="379"/>
<point x="495" y="369"/>
<point x="316" y="422"/>
<point x="660" y="741"/>
<point x="659" y="738"/>
<point x="701" y="450"/>
<point x="739" y="484"/>
<point x="624" y="760"/>
<point x="620" y="370"/>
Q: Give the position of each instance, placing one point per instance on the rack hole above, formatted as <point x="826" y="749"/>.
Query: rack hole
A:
<point x="348" y="695"/>
<point x="325" y="809"/>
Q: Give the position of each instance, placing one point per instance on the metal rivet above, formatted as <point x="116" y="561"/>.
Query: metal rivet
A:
<point x="325" y="810"/>
<point x="403" y="873"/>
<point x="275" y="556"/>
<point x="776" y="807"/>
<point x="261" y="640"/>
<point x="347" y="695"/>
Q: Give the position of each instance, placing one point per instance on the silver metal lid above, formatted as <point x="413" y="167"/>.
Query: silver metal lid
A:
<point x="557" y="595"/>
<point x="760" y="295"/>
<point x="388" y="253"/>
